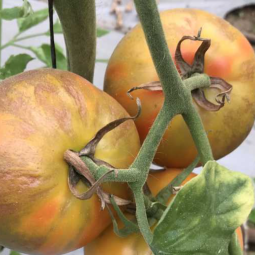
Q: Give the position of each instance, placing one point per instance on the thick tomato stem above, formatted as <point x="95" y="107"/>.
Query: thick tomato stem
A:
<point x="78" y="20"/>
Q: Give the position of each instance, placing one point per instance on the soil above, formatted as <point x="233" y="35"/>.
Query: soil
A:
<point x="244" y="19"/>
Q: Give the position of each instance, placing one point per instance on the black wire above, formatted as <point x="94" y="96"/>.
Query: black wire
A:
<point x="52" y="42"/>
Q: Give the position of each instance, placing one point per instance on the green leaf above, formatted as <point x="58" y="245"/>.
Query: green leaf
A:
<point x="43" y="53"/>
<point x="205" y="213"/>
<point x="101" y="32"/>
<point x="32" y="20"/>
<point x="14" y="65"/>
<point x="16" y="12"/>
<point x="252" y="216"/>
<point x="14" y="253"/>
<point x="57" y="28"/>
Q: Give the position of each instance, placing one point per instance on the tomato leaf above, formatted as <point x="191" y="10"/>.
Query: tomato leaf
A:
<point x="57" y="28"/>
<point x="205" y="213"/>
<point x="16" y="12"/>
<point x="252" y="216"/>
<point x="43" y="53"/>
<point x="14" y="253"/>
<point x="32" y="20"/>
<point x="101" y="32"/>
<point x="14" y="65"/>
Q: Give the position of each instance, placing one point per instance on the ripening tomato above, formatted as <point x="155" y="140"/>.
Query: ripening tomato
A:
<point x="43" y="113"/>
<point x="230" y="57"/>
<point x="108" y="243"/>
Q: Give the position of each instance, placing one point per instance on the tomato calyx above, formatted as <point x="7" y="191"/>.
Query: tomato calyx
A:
<point x="197" y="67"/>
<point x="187" y="71"/>
<point x="78" y="170"/>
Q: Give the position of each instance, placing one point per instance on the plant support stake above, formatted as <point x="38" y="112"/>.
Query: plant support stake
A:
<point x="52" y="42"/>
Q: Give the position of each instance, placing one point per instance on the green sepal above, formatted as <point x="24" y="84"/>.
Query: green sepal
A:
<point x="129" y="226"/>
<point x="205" y="213"/>
<point x="166" y="192"/>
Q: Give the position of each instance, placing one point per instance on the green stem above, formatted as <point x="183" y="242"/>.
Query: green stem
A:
<point x="178" y="98"/>
<point x="141" y="215"/>
<point x="15" y="39"/>
<point x="123" y="175"/>
<point x="78" y="19"/>
<point x="194" y="122"/>
<point x="148" y="149"/>
<point x="164" y="195"/>
<point x="20" y="46"/>
<point x="1" y="7"/>
<point x="197" y="81"/>
<point x="154" y="34"/>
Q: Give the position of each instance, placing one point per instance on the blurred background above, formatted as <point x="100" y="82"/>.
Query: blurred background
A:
<point x="114" y="19"/>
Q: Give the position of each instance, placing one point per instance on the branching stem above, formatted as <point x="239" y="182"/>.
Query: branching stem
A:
<point x="16" y="39"/>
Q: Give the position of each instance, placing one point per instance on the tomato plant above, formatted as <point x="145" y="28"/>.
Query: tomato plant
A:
<point x="109" y="243"/>
<point x="57" y="150"/>
<point x="42" y="114"/>
<point x="229" y="57"/>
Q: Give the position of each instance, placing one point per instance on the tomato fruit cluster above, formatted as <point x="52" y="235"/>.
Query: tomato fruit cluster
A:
<point x="229" y="57"/>
<point x="43" y="113"/>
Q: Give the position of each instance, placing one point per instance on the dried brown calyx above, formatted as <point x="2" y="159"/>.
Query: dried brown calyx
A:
<point x="78" y="170"/>
<point x="186" y="70"/>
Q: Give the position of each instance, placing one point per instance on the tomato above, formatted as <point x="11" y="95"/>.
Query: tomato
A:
<point x="230" y="57"/>
<point x="109" y="243"/>
<point x="43" y="113"/>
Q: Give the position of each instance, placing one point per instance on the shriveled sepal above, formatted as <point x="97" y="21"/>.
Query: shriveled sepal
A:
<point x="151" y="86"/>
<point x="197" y="66"/>
<point x="186" y="70"/>
<point x="79" y="171"/>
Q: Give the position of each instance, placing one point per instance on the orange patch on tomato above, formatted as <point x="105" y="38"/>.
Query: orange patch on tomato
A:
<point x="117" y="71"/>
<point x="219" y="67"/>
<point x="42" y="218"/>
<point x="245" y="46"/>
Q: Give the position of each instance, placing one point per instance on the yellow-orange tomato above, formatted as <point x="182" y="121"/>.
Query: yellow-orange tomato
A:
<point x="42" y="114"/>
<point x="109" y="243"/>
<point x="230" y="57"/>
